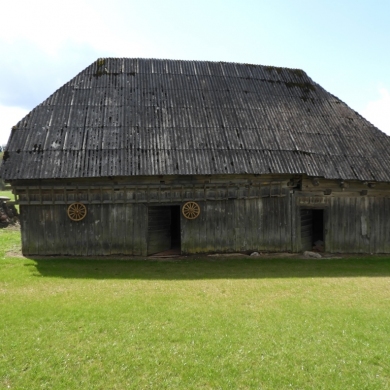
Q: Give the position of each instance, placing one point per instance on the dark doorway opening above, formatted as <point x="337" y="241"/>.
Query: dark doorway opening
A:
<point x="312" y="230"/>
<point x="318" y="226"/>
<point x="164" y="233"/>
<point x="175" y="228"/>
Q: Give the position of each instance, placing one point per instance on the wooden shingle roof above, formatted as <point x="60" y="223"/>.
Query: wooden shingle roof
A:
<point x="122" y="117"/>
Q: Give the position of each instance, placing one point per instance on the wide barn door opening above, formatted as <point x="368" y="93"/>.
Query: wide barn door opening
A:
<point x="312" y="229"/>
<point x="163" y="229"/>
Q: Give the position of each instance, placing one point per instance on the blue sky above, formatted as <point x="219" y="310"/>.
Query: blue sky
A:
<point x="342" y="45"/>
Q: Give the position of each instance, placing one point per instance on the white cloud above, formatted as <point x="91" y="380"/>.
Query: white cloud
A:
<point x="49" y="26"/>
<point x="378" y="111"/>
<point x="9" y="116"/>
<point x="45" y="44"/>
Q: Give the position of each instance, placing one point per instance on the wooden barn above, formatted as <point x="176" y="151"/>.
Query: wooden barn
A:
<point x="139" y="156"/>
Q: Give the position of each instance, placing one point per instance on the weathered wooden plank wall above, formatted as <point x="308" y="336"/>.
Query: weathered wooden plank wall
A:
<point x="261" y="217"/>
<point x="358" y="225"/>
<point x="107" y="229"/>
<point x="239" y="225"/>
<point x="352" y="224"/>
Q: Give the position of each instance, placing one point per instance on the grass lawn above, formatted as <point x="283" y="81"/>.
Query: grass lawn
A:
<point x="7" y="193"/>
<point x="198" y="323"/>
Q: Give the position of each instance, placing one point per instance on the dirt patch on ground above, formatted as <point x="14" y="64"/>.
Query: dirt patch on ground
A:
<point x="14" y="253"/>
<point x="10" y="226"/>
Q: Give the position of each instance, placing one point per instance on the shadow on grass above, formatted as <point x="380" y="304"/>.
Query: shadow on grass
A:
<point x="205" y="268"/>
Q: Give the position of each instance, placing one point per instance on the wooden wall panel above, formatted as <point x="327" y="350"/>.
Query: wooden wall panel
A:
<point x="128" y="229"/>
<point x="239" y="225"/>
<point x="359" y="224"/>
<point x="25" y="231"/>
<point x="105" y="230"/>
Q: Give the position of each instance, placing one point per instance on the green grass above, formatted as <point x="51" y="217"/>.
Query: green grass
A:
<point x="198" y="323"/>
<point x="7" y="193"/>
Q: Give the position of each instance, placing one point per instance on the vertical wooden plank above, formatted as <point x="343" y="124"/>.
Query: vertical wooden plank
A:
<point x="265" y="224"/>
<point x="70" y="236"/>
<point x="386" y="230"/>
<point x="259" y="228"/>
<point x="202" y="226"/>
<point x="193" y="227"/>
<point x="272" y="223"/>
<point x="49" y="237"/>
<point x="361" y="225"/>
<point x="283" y="237"/>
<point x="116" y="227"/>
<point x="278" y="233"/>
<point x="377" y="210"/>
<point x="94" y="247"/>
<point x="100" y="227"/>
<point x="122" y="229"/>
<point x="256" y="228"/>
<point x="129" y="229"/>
<point x="262" y="221"/>
<point x="143" y="225"/>
<point x="91" y="232"/>
<point x="64" y="226"/>
<point x="24" y="212"/>
<point x="81" y="236"/>
<point x="255" y="224"/>
<point x="268" y="215"/>
<point x="185" y="233"/>
<point x="239" y="211"/>
<point x="210" y="227"/>
<point x="140" y="214"/>
<point x="112" y="227"/>
<point x="341" y="227"/>
<point x="347" y="213"/>
<point x="338" y="226"/>
<point x="54" y="244"/>
<point x="294" y="223"/>
<point x="36" y="228"/>
<point x="364" y="227"/>
<point x="57" y="230"/>
<point x="250" y="218"/>
<point x="330" y="245"/>
<point x="381" y="224"/>
<point x="224" y="225"/>
<point x="356" y="223"/>
<point x="354" y="227"/>
<point x="287" y="222"/>
<point x="105" y="227"/>
<point x="230" y="225"/>
<point x="373" y="224"/>
<point x="137" y="244"/>
<point x="217" y="225"/>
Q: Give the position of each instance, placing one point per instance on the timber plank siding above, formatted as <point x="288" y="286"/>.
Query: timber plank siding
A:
<point x="265" y="215"/>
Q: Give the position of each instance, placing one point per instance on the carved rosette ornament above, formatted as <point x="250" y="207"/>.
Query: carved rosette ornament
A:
<point x="191" y="210"/>
<point x="77" y="211"/>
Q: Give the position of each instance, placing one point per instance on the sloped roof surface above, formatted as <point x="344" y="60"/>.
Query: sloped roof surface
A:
<point x="123" y="117"/>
